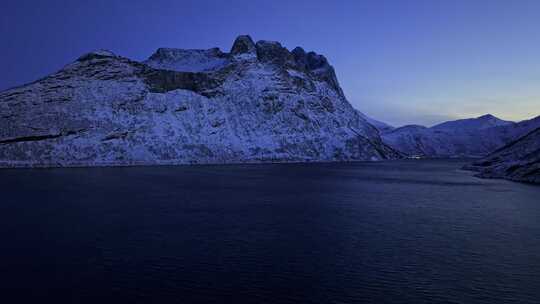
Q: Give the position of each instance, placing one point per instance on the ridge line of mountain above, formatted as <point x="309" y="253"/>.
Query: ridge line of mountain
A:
<point x="258" y="103"/>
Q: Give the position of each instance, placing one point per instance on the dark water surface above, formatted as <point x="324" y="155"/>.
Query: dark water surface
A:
<point x="391" y="232"/>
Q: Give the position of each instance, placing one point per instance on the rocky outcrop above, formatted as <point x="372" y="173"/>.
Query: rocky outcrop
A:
<point x="258" y="103"/>
<point x="243" y="45"/>
<point x="274" y="53"/>
<point x="518" y="160"/>
<point x="316" y="64"/>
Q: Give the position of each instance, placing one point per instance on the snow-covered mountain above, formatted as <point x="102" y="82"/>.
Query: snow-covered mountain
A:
<point x="475" y="137"/>
<point x="518" y="160"/>
<point x="472" y="124"/>
<point x="259" y="102"/>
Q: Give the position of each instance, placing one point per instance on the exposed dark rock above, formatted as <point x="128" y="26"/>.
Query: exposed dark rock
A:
<point x="115" y="135"/>
<point x="317" y="65"/>
<point x="40" y="137"/>
<point x="328" y="105"/>
<point x="273" y="52"/>
<point x="162" y="81"/>
<point x="102" y="54"/>
<point x="243" y="44"/>
<point x="300" y="57"/>
<point x="181" y="109"/>
<point x="30" y="138"/>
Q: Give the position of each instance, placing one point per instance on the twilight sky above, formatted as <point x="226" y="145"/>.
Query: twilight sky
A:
<point x="398" y="61"/>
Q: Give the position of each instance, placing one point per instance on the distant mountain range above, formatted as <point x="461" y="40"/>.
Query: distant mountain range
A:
<point x="507" y="149"/>
<point x="259" y="102"/>
<point x="475" y="137"/>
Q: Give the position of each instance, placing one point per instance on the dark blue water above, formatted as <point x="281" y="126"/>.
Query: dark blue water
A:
<point x="392" y="232"/>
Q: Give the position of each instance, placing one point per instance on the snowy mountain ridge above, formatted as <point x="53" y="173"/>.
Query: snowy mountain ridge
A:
<point x="472" y="124"/>
<point x="258" y="103"/>
<point x="475" y="137"/>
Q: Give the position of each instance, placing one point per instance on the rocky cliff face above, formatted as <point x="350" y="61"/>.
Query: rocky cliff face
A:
<point x="519" y="160"/>
<point x="476" y="137"/>
<point x="257" y="103"/>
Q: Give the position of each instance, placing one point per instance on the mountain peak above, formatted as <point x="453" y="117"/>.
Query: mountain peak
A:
<point x="243" y="44"/>
<point x="97" y="54"/>
<point x="487" y="117"/>
<point x="478" y="123"/>
<point x="274" y="52"/>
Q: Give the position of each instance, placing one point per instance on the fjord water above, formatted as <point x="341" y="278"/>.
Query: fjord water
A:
<point x="388" y="232"/>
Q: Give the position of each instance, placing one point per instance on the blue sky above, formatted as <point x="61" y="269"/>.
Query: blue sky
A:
<point x="401" y="62"/>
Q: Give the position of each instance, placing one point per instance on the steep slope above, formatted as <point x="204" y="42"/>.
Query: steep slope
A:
<point x="379" y="125"/>
<point x="257" y="103"/>
<point x="519" y="160"/>
<point x="474" y="137"/>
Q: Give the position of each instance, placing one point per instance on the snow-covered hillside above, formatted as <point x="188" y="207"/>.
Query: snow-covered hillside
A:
<point x="519" y="160"/>
<point x="188" y="60"/>
<point x="474" y="137"/>
<point x="259" y="102"/>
